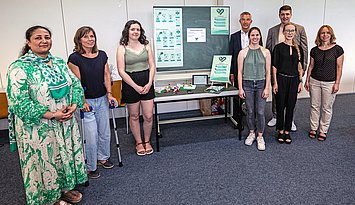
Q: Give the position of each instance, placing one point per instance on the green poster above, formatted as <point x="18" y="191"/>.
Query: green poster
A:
<point x="221" y="68"/>
<point x="219" y="21"/>
<point x="168" y="37"/>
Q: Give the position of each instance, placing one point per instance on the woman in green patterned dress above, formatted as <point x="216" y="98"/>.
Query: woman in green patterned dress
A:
<point x="43" y="95"/>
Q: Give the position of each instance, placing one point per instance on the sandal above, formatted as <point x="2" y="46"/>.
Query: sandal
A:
<point x="61" y="202"/>
<point x="312" y="134"/>
<point x="288" y="139"/>
<point x="140" y="151"/>
<point x="280" y="138"/>
<point x="72" y="196"/>
<point x="322" y="137"/>
<point x="148" y="149"/>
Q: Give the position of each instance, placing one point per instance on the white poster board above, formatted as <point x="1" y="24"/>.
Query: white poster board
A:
<point x="221" y="68"/>
<point x="168" y="38"/>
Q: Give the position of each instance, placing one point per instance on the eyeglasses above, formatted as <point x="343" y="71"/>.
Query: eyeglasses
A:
<point x="290" y="30"/>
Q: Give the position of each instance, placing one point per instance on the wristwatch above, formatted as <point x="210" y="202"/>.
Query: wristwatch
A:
<point x="53" y="116"/>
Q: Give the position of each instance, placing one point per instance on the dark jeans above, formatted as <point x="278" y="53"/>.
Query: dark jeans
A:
<point x="255" y="103"/>
<point x="286" y="98"/>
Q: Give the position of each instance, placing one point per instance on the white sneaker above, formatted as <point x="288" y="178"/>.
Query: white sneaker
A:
<point x="293" y="127"/>
<point x="272" y="122"/>
<point x="250" y="139"/>
<point x="261" y="143"/>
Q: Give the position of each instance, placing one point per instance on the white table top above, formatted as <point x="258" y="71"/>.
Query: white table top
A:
<point x="178" y="97"/>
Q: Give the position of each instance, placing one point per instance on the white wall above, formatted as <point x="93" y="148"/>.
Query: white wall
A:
<point x="15" y="19"/>
<point x="108" y="17"/>
<point x="341" y="15"/>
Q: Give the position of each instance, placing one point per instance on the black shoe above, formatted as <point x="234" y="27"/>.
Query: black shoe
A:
<point x="107" y="164"/>
<point x="322" y="137"/>
<point x="280" y="138"/>
<point x="93" y="174"/>
<point x="288" y="139"/>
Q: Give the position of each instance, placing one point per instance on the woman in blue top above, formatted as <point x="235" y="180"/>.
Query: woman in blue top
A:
<point x="90" y="65"/>
<point x="136" y="66"/>
<point x="254" y="64"/>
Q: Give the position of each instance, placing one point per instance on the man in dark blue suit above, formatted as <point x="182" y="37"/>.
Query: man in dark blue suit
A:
<point x="238" y="41"/>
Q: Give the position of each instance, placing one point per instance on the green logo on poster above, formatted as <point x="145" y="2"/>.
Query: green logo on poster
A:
<point x="220" y="11"/>
<point x="222" y="59"/>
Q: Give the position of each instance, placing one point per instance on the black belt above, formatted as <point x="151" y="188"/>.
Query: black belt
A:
<point x="288" y="76"/>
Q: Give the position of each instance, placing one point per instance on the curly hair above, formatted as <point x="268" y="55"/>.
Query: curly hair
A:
<point x="124" y="39"/>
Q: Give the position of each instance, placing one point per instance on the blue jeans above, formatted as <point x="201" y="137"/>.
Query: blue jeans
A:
<point x="255" y="103"/>
<point x="97" y="132"/>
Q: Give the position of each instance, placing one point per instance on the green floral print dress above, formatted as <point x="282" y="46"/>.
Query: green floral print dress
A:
<point x="51" y="154"/>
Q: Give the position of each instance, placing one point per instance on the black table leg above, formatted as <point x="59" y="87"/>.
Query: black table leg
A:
<point x="156" y="127"/>
<point x="225" y="109"/>
<point x="240" y="118"/>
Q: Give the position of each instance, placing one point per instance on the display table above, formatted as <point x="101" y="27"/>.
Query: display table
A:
<point x="197" y="94"/>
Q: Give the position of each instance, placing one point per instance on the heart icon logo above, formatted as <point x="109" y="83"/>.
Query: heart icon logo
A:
<point x="220" y="11"/>
<point x="222" y="59"/>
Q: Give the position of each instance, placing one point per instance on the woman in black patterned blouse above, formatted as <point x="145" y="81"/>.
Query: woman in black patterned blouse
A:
<point x="323" y="78"/>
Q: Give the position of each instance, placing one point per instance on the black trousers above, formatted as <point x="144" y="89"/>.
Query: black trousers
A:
<point x="236" y="102"/>
<point x="286" y="98"/>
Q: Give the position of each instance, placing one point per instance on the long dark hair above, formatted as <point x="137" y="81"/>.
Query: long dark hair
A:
<point x="256" y="28"/>
<point x="124" y="39"/>
<point x="78" y="35"/>
<point x="28" y="35"/>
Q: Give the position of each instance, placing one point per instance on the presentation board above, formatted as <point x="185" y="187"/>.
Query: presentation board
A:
<point x="187" y="37"/>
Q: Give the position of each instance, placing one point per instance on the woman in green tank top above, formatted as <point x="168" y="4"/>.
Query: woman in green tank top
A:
<point x="254" y="64"/>
<point x="136" y="66"/>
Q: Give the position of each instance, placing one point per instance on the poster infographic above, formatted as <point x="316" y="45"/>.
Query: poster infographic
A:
<point x="219" y="21"/>
<point x="221" y="68"/>
<point x="168" y="37"/>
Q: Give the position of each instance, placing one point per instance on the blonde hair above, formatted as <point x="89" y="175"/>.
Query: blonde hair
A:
<point x="318" y="41"/>
<point x="294" y="44"/>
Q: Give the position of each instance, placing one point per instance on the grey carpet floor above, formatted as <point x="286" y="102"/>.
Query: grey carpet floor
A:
<point x="205" y="163"/>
